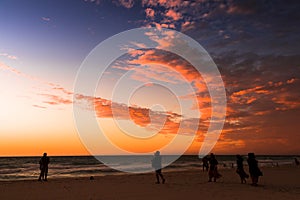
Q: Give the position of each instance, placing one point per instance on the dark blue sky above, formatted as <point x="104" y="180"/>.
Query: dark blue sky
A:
<point x="65" y="30"/>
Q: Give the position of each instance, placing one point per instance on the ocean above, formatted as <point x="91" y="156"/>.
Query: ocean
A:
<point x="27" y="168"/>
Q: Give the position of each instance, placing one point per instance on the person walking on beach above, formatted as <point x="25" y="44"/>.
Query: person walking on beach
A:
<point x="254" y="171"/>
<point x="44" y="161"/>
<point x="205" y="163"/>
<point x="240" y="169"/>
<point x="156" y="164"/>
<point x="213" y="169"/>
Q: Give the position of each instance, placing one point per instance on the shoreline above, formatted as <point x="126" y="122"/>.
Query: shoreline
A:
<point x="165" y="171"/>
<point x="277" y="183"/>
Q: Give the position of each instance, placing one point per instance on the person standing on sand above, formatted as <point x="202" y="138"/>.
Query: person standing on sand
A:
<point x="213" y="169"/>
<point x="44" y="161"/>
<point x="156" y="164"/>
<point x="205" y="163"/>
<point x="254" y="171"/>
<point x="240" y="169"/>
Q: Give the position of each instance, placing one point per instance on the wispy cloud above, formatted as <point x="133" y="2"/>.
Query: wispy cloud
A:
<point x="163" y="122"/>
<point x="17" y="72"/>
<point x="54" y="93"/>
<point x="143" y="117"/>
<point x="47" y="19"/>
<point x="55" y="99"/>
<point x="243" y="7"/>
<point x="9" y="56"/>
<point x="97" y="2"/>
<point x="38" y="106"/>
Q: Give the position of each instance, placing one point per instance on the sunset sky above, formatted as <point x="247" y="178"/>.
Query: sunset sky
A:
<point x="254" y="44"/>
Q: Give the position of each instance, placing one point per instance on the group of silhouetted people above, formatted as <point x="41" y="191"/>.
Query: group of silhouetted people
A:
<point x="210" y="163"/>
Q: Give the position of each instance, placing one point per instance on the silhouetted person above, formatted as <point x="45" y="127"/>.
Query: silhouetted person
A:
<point x="213" y="168"/>
<point x="44" y="161"/>
<point x="240" y="169"/>
<point x="254" y="171"/>
<point x="297" y="162"/>
<point x="205" y="163"/>
<point x="156" y="164"/>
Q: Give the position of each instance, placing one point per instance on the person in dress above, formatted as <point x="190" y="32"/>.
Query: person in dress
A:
<point x="254" y="171"/>
<point x="240" y="169"/>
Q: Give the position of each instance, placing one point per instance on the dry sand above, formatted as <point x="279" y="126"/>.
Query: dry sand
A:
<point x="277" y="183"/>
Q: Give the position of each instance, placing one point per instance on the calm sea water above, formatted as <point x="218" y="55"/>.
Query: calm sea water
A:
<point x="27" y="168"/>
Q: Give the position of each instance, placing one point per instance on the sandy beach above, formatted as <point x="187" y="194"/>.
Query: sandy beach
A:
<point x="277" y="183"/>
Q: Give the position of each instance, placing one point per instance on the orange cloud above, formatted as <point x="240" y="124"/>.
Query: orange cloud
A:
<point x="62" y="90"/>
<point x="165" y="3"/>
<point x="141" y="116"/>
<point x="169" y="123"/>
<point x="150" y="13"/>
<point x="286" y="102"/>
<point x="284" y="98"/>
<point x="187" y="25"/>
<point x="170" y="61"/>
<point x="55" y="99"/>
<point x="173" y="14"/>
<point x="125" y="3"/>
<point x="248" y="96"/>
<point x="290" y="81"/>
<point x="170" y="16"/>
<point x="170" y="68"/>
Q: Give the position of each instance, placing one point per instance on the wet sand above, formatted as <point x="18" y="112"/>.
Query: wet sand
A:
<point x="277" y="183"/>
